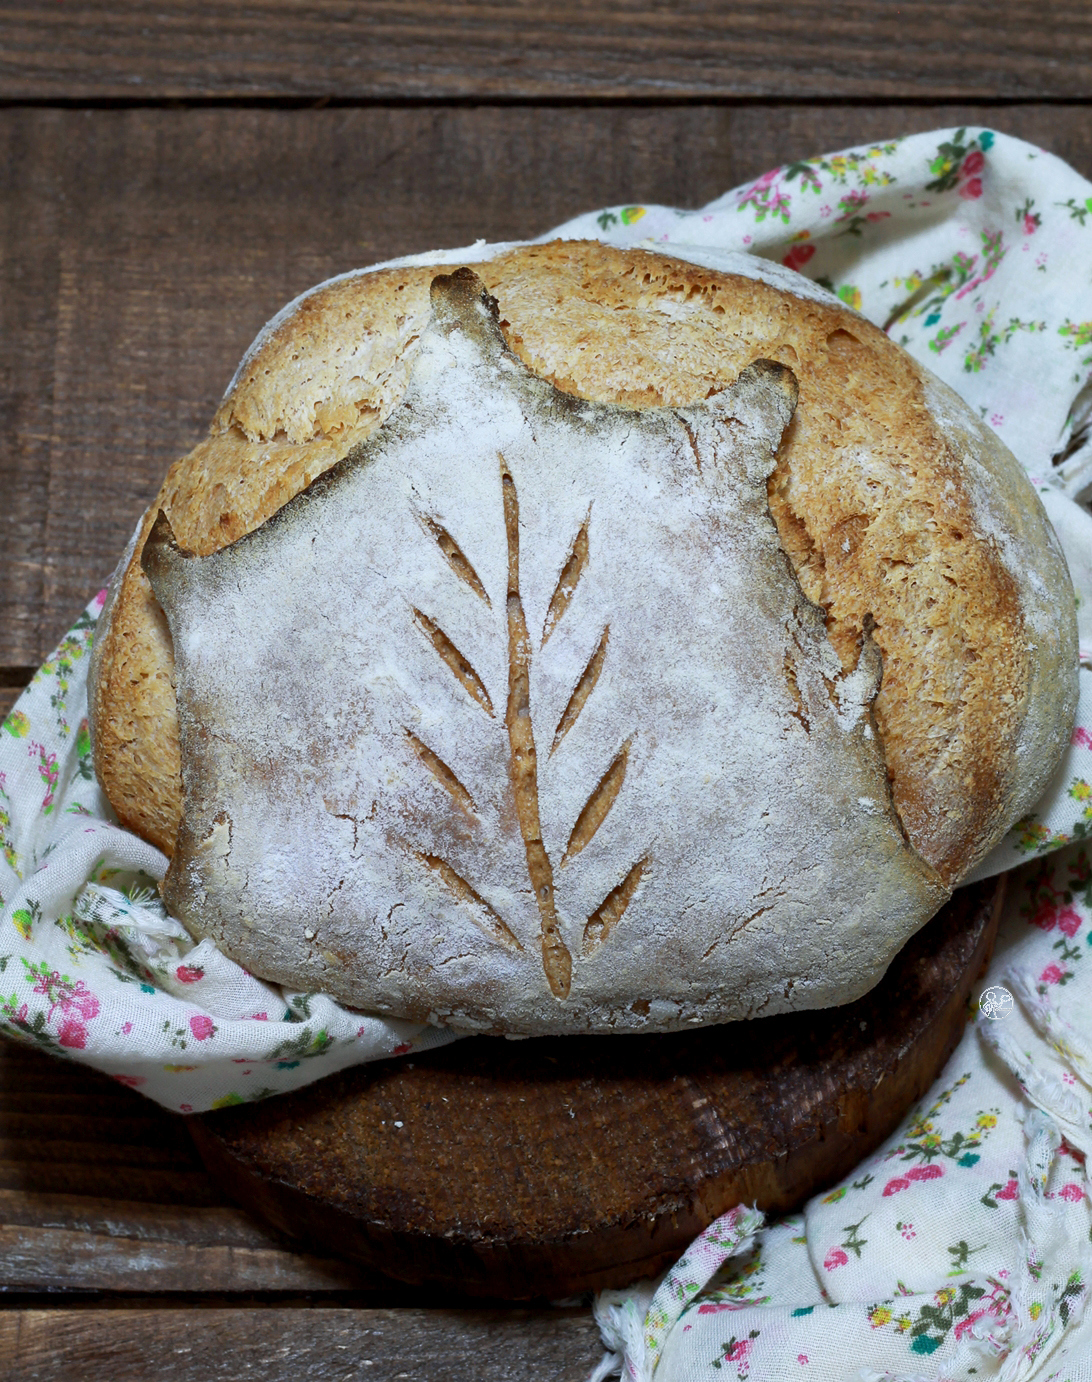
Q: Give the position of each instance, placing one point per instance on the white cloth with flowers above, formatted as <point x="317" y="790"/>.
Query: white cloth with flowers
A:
<point x="965" y="1251"/>
<point x="960" y="1249"/>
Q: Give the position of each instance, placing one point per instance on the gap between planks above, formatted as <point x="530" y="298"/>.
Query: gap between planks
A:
<point x="13" y="681"/>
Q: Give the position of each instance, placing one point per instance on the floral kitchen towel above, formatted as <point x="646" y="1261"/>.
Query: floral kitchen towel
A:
<point x="961" y="1248"/>
<point x="973" y="249"/>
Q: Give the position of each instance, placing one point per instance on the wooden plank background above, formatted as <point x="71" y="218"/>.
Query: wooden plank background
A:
<point x="265" y="1343"/>
<point x="120" y="1256"/>
<point x="172" y="173"/>
<point x="525" y="49"/>
<point x="143" y="248"/>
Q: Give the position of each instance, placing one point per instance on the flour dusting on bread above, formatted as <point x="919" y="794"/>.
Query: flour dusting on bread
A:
<point x="373" y="685"/>
<point x="923" y="554"/>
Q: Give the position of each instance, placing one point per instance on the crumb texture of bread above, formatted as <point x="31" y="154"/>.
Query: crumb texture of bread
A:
<point x="871" y="498"/>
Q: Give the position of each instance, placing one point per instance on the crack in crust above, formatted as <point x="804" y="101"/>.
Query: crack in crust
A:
<point x="598" y="805"/>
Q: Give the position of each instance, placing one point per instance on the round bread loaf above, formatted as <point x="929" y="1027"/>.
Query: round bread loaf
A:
<point x="881" y="524"/>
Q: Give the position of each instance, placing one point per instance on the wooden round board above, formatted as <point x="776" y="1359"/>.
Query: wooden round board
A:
<point x="551" y="1166"/>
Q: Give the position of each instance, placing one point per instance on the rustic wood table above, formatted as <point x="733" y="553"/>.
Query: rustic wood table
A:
<point x="172" y="174"/>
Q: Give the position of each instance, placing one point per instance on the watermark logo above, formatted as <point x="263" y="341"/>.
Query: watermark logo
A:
<point x="996" y="1002"/>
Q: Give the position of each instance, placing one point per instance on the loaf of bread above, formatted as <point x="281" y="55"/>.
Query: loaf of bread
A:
<point x="601" y="683"/>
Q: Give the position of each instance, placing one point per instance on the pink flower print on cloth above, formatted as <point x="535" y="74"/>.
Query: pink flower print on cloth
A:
<point x="916" y="1173"/>
<point x="60" y="1018"/>
<point x="636" y="1337"/>
<point x="729" y="1236"/>
<point x="202" y="1027"/>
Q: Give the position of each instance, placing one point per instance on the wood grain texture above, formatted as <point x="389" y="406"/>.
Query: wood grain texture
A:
<point x="103" y="1202"/>
<point x="284" y="1345"/>
<point x="204" y="1291"/>
<point x="67" y="1130"/>
<point x="429" y="49"/>
<point x="101" y="1190"/>
<point x="66" y="1243"/>
<point x="140" y="250"/>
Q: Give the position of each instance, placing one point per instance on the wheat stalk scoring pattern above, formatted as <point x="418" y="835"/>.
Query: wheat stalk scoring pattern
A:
<point x="557" y="959"/>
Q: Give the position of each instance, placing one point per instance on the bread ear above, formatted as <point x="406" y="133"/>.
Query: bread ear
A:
<point x="461" y="302"/>
<point x="161" y="554"/>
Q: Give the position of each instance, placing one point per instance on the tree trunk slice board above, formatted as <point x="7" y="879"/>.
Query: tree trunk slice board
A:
<point x="546" y="1167"/>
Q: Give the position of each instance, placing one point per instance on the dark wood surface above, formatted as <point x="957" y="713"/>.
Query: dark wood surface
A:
<point x="167" y="184"/>
<point x="121" y="1256"/>
<point x="575" y="49"/>
<point x="262" y="1342"/>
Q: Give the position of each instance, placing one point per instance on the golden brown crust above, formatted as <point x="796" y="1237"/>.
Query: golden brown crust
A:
<point x="134" y="717"/>
<point x="874" y="510"/>
<point x="868" y="498"/>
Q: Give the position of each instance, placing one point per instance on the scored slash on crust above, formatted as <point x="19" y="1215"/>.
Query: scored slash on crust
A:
<point x="568" y="580"/>
<point x="609" y="912"/>
<point x="442" y="773"/>
<point x="523" y="754"/>
<point x="462" y="669"/>
<point x="598" y="805"/>
<point x="485" y="916"/>
<point x="455" y="557"/>
<point x="584" y="687"/>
